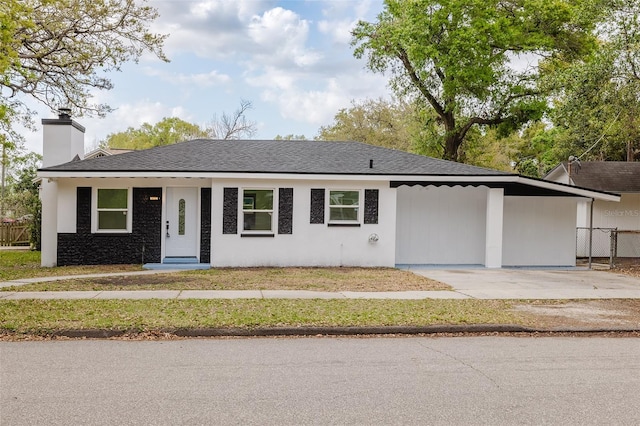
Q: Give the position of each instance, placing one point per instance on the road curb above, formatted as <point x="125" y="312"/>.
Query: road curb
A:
<point x="334" y="331"/>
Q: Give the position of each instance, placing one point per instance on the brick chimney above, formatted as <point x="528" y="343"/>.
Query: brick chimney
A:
<point x="62" y="139"/>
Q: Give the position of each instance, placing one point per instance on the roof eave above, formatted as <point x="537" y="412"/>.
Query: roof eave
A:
<point x="44" y="173"/>
<point x="570" y="189"/>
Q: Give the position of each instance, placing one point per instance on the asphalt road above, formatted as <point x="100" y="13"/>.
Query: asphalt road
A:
<point x="304" y="381"/>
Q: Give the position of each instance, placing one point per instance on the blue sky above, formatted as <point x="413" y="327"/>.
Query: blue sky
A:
<point x="291" y="59"/>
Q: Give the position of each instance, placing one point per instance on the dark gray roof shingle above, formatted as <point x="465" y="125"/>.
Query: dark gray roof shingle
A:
<point x="254" y="156"/>
<point x="612" y="176"/>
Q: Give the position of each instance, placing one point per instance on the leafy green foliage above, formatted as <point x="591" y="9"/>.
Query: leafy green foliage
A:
<point x="57" y="51"/>
<point x="21" y="193"/>
<point x="171" y="130"/>
<point x="290" y="137"/>
<point x="598" y="108"/>
<point x="458" y="57"/>
<point x="388" y="123"/>
<point x="166" y="132"/>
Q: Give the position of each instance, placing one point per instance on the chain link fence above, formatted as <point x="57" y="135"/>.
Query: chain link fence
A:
<point x="608" y="243"/>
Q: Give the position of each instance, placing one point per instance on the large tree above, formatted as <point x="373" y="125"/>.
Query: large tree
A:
<point x="58" y="51"/>
<point x="396" y="124"/>
<point x="467" y="59"/>
<point x="598" y="108"/>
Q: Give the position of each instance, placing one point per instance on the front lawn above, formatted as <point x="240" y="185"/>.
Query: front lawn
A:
<point x="16" y="264"/>
<point x="43" y="317"/>
<point x="315" y="279"/>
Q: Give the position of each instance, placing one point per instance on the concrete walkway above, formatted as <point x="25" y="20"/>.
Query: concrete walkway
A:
<point x="466" y="283"/>
<point x="518" y="283"/>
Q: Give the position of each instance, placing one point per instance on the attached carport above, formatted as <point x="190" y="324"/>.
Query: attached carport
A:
<point x="489" y="221"/>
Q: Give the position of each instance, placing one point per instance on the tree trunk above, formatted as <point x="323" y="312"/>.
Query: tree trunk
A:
<point x="452" y="139"/>
<point x="451" y="148"/>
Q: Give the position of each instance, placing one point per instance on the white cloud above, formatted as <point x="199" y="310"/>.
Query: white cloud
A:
<point x="339" y="31"/>
<point x="281" y="35"/>
<point x="209" y="28"/>
<point x="209" y="79"/>
<point x="293" y="61"/>
<point x="316" y="103"/>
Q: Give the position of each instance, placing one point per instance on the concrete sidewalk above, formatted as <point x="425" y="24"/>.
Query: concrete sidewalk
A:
<point x="228" y="294"/>
<point x="513" y="284"/>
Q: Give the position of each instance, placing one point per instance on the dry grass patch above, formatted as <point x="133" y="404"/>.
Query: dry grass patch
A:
<point x="314" y="279"/>
<point x="607" y="314"/>
<point x="26" y="264"/>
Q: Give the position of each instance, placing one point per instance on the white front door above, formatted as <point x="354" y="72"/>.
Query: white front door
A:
<point x="181" y="228"/>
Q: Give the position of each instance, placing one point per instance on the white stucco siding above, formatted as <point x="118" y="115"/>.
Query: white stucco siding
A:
<point x="67" y="193"/>
<point x="61" y="144"/>
<point x="539" y="231"/>
<point x="624" y="215"/>
<point x="441" y="225"/>
<point x="309" y="244"/>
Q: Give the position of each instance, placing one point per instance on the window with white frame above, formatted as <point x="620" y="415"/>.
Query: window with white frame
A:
<point x="344" y="206"/>
<point x="257" y="210"/>
<point x="112" y="210"/>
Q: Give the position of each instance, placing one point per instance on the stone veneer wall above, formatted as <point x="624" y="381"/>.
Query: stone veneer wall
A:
<point x="142" y="245"/>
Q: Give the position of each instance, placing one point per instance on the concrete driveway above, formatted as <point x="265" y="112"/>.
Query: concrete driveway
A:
<point x="483" y="283"/>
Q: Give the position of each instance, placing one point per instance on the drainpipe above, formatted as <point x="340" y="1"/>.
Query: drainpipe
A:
<point x="590" y="230"/>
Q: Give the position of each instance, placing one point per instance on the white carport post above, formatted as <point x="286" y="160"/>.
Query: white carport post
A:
<point x="493" y="234"/>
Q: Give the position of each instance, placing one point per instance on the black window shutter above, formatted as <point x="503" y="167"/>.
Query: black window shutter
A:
<point x="317" y="206"/>
<point x="205" y="225"/>
<point x="285" y="211"/>
<point x="83" y="210"/>
<point x="370" y="206"/>
<point x="230" y="211"/>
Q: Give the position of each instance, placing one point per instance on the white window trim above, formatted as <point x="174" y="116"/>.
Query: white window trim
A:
<point x="359" y="206"/>
<point x="94" y="212"/>
<point x="273" y="211"/>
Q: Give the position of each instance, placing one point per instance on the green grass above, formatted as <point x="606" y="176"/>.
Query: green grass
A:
<point x="43" y="317"/>
<point x="16" y="264"/>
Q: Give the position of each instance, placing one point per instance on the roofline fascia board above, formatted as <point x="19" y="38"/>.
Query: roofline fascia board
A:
<point x="582" y="192"/>
<point x="278" y="176"/>
<point x="573" y="190"/>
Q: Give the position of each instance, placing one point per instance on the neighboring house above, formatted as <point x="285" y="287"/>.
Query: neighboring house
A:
<point x="103" y="152"/>
<point x="610" y="176"/>
<point x="294" y="203"/>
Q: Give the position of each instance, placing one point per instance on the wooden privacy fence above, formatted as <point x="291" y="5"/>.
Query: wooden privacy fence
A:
<point x="14" y="234"/>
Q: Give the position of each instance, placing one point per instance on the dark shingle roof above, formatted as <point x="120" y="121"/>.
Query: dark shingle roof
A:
<point x="612" y="176"/>
<point x="253" y="156"/>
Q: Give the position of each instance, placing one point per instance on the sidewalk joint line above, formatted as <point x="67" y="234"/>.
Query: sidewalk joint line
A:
<point x="464" y="294"/>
